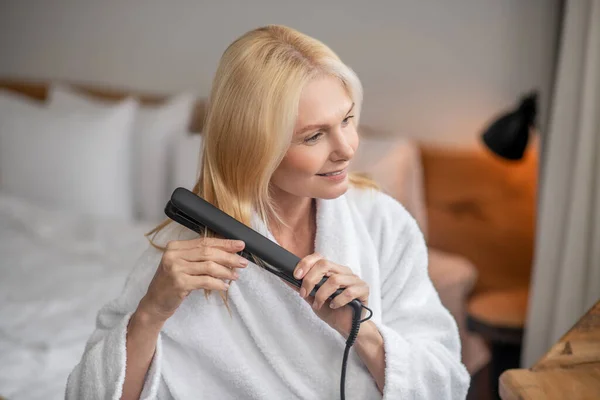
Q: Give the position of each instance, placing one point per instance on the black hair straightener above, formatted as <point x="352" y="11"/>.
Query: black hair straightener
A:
<point x="195" y="213"/>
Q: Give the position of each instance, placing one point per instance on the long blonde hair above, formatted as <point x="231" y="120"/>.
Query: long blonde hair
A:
<point x="250" y="118"/>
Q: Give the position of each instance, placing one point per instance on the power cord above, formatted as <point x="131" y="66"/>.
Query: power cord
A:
<point x="357" y="307"/>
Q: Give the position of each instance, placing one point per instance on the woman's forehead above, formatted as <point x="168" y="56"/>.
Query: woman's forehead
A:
<point x="323" y="101"/>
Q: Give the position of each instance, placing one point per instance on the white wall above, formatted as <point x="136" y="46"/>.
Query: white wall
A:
<point x="432" y="69"/>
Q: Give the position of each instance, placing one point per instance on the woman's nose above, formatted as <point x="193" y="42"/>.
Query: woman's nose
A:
<point x="342" y="146"/>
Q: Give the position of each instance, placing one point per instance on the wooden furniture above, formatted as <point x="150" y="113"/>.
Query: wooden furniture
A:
<point x="570" y="369"/>
<point x="39" y="90"/>
<point x="499" y="316"/>
<point x="483" y="208"/>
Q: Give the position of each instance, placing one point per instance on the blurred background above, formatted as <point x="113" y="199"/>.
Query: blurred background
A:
<point x="431" y="70"/>
<point x="101" y="112"/>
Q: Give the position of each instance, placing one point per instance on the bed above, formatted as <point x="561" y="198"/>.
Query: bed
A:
<point x="57" y="269"/>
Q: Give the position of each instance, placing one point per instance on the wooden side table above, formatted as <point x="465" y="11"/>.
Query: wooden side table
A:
<point x="499" y="317"/>
<point x="570" y="370"/>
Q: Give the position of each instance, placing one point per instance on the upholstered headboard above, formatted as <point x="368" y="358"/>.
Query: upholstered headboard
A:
<point x="39" y="90"/>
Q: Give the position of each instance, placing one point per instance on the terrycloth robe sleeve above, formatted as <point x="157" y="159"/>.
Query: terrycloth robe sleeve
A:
<point x="101" y="372"/>
<point x="421" y="340"/>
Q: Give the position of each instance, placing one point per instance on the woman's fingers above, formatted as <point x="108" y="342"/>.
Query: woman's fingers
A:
<point x="315" y="274"/>
<point x="333" y="283"/>
<point x="353" y="288"/>
<point x="210" y="268"/>
<point x="204" y="282"/>
<point x="306" y="264"/>
<point x="188" y="265"/>
<point x="232" y="246"/>
<point x="215" y="254"/>
<point x="312" y="268"/>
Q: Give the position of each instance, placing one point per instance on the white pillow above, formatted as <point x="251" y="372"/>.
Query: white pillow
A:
<point x="16" y="102"/>
<point x="186" y="157"/>
<point x="153" y="133"/>
<point x="74" y="161"/>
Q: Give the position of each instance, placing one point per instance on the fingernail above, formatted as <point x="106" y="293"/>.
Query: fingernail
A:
<point x="226" y="285"/>
<point x="331" y="305"/>
<point x="236" y="275"/>
<point x="299" y="273"/>
<point x="243" y="262"/>
<point x="302" y="292"/>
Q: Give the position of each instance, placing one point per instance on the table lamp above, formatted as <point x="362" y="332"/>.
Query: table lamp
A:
<point x="507" y="136"/>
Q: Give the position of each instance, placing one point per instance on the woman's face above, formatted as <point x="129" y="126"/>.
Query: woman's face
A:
<point x="324" y="141"/>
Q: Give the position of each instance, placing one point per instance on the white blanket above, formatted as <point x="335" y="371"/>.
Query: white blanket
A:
<point x="275" y="347"/>
<point x="56" y="270"/>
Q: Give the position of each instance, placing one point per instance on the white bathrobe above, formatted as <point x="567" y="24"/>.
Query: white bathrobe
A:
<point x="275" y="346"/>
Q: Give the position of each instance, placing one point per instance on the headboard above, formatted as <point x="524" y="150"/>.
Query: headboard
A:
<point x="39" y="90"/>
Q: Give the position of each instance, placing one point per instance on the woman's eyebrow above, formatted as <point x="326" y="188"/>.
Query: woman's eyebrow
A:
<point x="319" y="126"/>
<point x="350" y="110"/>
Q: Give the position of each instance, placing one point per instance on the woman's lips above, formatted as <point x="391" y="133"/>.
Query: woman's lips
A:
<point x="335" y="176"/>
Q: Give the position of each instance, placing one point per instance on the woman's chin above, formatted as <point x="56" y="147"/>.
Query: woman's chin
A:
<point x="335" y="190"/>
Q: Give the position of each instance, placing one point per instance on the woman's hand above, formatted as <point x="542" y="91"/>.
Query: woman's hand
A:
<point x="203" y="263"/>
<point x="311" y="269"/>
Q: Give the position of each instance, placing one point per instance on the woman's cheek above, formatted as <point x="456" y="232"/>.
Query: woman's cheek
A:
<point x="307" y="161"/>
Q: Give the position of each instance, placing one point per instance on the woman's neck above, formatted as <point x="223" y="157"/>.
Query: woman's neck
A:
<point x="299" y="214"/>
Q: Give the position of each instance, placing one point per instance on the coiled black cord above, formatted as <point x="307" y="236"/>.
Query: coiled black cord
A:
<point x="357" y="307"/>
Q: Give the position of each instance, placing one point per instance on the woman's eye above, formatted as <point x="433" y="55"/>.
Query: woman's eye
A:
<point x="313" y="138"/>
<point x="347" y="120"/>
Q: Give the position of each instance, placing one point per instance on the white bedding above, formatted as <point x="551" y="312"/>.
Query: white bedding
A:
<point x="56" y="271"/>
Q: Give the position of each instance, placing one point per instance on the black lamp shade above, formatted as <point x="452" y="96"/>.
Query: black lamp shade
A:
<point x="508" y="135"/>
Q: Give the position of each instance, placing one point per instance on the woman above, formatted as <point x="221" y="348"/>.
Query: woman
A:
<point x="279" y="136"/>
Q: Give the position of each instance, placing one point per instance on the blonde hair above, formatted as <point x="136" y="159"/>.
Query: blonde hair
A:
<point x="250" y="118"/>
